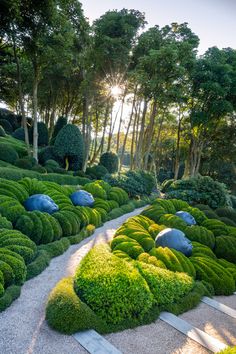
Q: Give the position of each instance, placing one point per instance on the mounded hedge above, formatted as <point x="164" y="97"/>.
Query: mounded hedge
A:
<point x="110" y="161"/>
<point x="8" y="153"/>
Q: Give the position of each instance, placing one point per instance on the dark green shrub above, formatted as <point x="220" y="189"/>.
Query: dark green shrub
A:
<point x="8" y="154"/>
<point x="52" y="164"/>
<point x="210" y="214"/>
<point x="178" y="204"/>
<point x="119" y="195"/>
<point x="66" y="313"/>
<point x="209" y="270"/>
<point x="69" y="145"/>
<point x="46" y="154"/>
<point x="42" y="134"/>
<point x="38" y="265"/>
<point x="166" y="184"/>
<point x="8" y="274"/>
<point x="11" y="293"/>
<point x="33" y="186"/>
<point x="201" y="235"/>
<point x="227" y="212"/>
<point x="48" y="232"/>
<point x="31" y="225"/>
<point x="17" y="265"/>
<point x="56" y="248"/>
<point x="13" y="190"/>
<point x="2" y="131"/>
<point x="17" y="145"/>
<point x="60" y="123"/>
<point x="39" y="169"/>
<point x="113" y="289"/>
<point x="100" y="203"/>
<point x="154" y="212"/>
<point x="203" y="190"/>
<point x="11" y="208"/>
<point x="5" y="224"/>
<point x="6" y="126"/>
<point x="198" y="215"/>
<point x="227" y="221"/>
<point x="26" y="252"/>
<point x="19" y="134"/>
<point x="202" y="250"/>
<point x="110" y="161"/>
<point x="96" y="190"/>
<point x="173" y="221"/>
<point x="216" y="226"/>
<point x="64" y="222"/>
<point x="166" y="286"/>
<point x="24" y="163"/>
<point x="226" y="248"/>
<point x="97" y="171"/>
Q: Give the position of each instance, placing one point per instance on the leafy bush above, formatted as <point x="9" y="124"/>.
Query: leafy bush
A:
<point x="119" y="195"/>
<point x="13" y="189"/>
<point x="60" y="123"/>
<point x="10" y="294"/>
<point x="16" y="263"/>
<point x="111" y="287"/>
<point x="226" y="212"/>
<point x="96" y="172"/>
<point x="6" y="126"/>
<point x="10" y="208"/>
<point x="166" y="286"/>
<point x="17" y="145"/>
<point x="216" y="226"/>
<point x="38" y="265"/>
<point x="202" y="190"/>
<point x="19" y="134"/>
<point x="173" y="221"/>
<point x="2" y="131"/>
<point x="8" y="154"/>
<point x="226" y="248"/>
<point x="110" y="161"/>
<point x="96" y="190"/>
<point x="200" y="234"/>
<point x="4" y="223"/>
<point x="135" y="183"/>
<point x="69" y="145"/>
<point x="42" y="134"/>
<point x="209" y="270"/>
<point x="66" y="313"/>
<point x="46" y="154"/>
<point x="200" y="250"/>
<point x="39" y="169"/>
<point x="24" y="163"/>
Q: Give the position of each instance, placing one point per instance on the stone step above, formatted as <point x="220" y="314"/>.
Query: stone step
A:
<point x="192" y="332"/>
<point x="94" y="343"/>
<point x="220" y="307"/>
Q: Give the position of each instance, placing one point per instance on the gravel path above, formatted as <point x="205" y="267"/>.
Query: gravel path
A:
<point x="23" y="329"/>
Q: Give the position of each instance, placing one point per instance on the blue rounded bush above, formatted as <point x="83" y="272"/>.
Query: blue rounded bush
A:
<point x="174" y="238"/>
<point x="41" y="202"/>
<point x="82" y="198"/>
<point x="187" y="217"/>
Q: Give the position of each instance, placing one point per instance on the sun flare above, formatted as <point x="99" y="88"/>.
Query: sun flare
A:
<point x="116" y="91"/>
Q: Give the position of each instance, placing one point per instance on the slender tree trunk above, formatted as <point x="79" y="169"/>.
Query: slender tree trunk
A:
<point x="141" y="136"/>
<point x="133" y="141"/>
<point x="127" y="130"/>
<point x="149" y="135"/>
<point x="110" y="134"/>
<point x="120" y="123"/>
<point x="21" y="100"/>
<point x="177" y="158"/>
<point x="35" y="109"/>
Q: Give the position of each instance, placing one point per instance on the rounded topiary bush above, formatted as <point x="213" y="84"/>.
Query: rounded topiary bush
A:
<point x="16" y="262"/>
<point x="113" y="289"/>
<point x="11" y="208"/>
<point x="4" y="223"/>
<point x="45" y="154"/>
<point x="97" y="171"/>
<point x="110" y="161"/>
<point x="24" y="163"/>
<point x="6" y="126"/>
<point x="66" y="313"/>
<point x="226" y="248"/>
<point x="200" y="234"/>
<point x="19" y="134"/>
<point x="8" y="153"/>
<point x="61" y="122"/>
<point x="2" y="131"/>
<point x="69" y="146"/>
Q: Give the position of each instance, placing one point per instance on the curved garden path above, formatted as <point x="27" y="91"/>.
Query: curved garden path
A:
<point x="23" y="329"/>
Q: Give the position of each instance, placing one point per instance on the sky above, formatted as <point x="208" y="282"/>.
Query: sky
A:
<point x="214" y="21"/>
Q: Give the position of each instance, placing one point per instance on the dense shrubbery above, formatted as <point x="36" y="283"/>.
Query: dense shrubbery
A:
<point x="8" y="153"/>
<point x="135" y="183"/>
<point x="96" y="172"/>
<point x="110" y="161"/>
<point x="61" y="122"/>
<point x="202" y="190"/>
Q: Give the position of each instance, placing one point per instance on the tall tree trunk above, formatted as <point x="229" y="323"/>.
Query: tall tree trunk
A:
<point x="149" y="135"/>
<point x="177" y="157"/>
<point x="120" y="123"/>
<point x="21" y="100"/>
<point x="110" y="133"/>
<point x="133" y="141"/>
<point x="35" y="109"/>
<point x="141" y="136"/>
<point x="127" y="130"/>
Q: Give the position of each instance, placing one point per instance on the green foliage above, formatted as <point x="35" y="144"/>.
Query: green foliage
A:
<point x="202" y="190"/>
<point x="66" y="313"/>
<point x="96" y="190"/>
<point x="6" y="126"/>
<point x="38" y="265"/>
<point x="24" y="163"/>
<point x="13" y="190"/>
<point x="69" y="144"/>
<point x="210" y="214"/>
<point x="4" y="223"/>
<point x="39" y="169"/>
<point x="2" y="131"/>
<point x="198" y="215"/>
<point x="154" y="229"/>
<point x="8" y="274"/>
<point x="10" y="208"/>
<point x="216" y="226"/>
<point x="45" y="154"/>
<point x="135" y="183"/>
<point x="111" y="287"/>
<point x="19" y="134"/>
<point x="226" y="248"/>
<point x="110" y="161"/>
<point x="60" y="123"/>
<point x="56" y="248"/>
<point x="227" y="212"/>
<point x="202" y="250"/>
<point x="31" y="225"/>
<point x="154" y="212"/>
<point x="212" y="272"/>
<point x="173" y="221"/>
<point x="10" y="294"/>
<point x="201" y="235"/>
<point x="166" y="286"/>
<point x="119" y="195"/>
<point x="42" y="134"/>
<point x="8" y="153"/>
<point x="97" y="171"/>
<point x="16" y="262"/>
